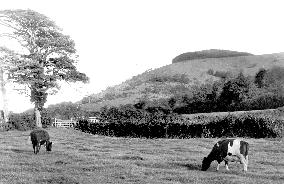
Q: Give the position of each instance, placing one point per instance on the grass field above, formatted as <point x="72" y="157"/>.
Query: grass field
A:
<point x="83" y="158"/>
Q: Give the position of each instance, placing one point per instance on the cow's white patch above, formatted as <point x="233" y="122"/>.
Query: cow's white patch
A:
<point x="234" y="154"/>
<point x="235" y="148"/>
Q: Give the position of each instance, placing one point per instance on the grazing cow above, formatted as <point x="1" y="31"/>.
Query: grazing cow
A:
<point x="38" y="138"/>
<point x="228" y="150"/>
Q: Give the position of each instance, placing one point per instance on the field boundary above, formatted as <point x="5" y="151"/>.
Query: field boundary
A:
<point x="229" y="113"/>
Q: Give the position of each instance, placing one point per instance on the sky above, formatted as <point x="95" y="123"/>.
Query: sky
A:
<point x="120" y="39"/>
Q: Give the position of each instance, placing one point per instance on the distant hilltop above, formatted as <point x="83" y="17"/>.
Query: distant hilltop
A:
<point x="204" y="54"/>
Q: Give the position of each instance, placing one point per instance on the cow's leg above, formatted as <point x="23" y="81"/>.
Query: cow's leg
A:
<point x="217" y="169"/>
<point x="226" y="164"/>
<point x="218" y="165"/>
<point x="219" y="160"/>
<point x="34" y="147"/>
<point x="246" y="168"/>
<point x="244" y="162"/>
<point x="46" y="144"/>
<point x="37" y="147"/>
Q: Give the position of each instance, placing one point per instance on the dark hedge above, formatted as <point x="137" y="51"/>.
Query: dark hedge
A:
<point x="174" y="126"/>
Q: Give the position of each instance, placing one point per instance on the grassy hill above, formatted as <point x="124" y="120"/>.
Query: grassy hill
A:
<point x="83" y="158"/>
<point x="180" y="76"/>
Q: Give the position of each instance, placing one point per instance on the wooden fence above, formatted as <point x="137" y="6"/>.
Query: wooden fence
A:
<point x="94" y="119"/>
<point x="71" y="123"/>
<point x="64" y="123"/>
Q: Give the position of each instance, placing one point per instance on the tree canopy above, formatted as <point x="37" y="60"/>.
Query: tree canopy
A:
<point x="49" y="55"/>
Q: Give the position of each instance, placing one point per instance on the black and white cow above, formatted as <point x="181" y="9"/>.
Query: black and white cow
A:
<point x="229" y="150"/>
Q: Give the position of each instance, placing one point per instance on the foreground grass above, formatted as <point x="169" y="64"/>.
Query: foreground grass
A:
<point x="83" y="158"/>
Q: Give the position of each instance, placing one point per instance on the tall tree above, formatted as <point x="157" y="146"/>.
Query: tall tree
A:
<point x="7" y="57"/>
<point x="3" y="101"/>
<point x="49" y="56"/>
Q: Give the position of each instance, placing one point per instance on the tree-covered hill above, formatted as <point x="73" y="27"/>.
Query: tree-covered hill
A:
<point x="178" y="78"/>
<point x="204" y="54"/>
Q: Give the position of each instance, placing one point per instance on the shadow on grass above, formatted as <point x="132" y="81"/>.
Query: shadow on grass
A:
<point x="20" y="151"/>
<point x="189" y="166"/>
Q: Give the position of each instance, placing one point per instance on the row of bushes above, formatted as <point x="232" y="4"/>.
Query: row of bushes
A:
<point x="175" y="126"/>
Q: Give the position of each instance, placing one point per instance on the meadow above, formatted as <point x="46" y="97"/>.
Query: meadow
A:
<point x="79" y="157"/>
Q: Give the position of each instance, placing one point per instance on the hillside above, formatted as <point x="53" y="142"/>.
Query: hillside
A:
<point x="165" y="81"/>
<point x="83" y="158"/>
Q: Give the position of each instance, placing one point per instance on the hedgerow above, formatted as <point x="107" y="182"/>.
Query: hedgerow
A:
<point x="159" y="125"/>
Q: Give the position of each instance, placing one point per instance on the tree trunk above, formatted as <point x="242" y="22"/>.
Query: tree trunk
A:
<point x="38" y="118"/>
<point x="3" y="101"/>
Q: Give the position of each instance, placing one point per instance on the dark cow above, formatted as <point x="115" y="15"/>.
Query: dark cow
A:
<point x="228" y="150"/>
<point x="40" y="137"/>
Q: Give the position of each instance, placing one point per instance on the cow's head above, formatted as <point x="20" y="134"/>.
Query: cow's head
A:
<point x="205" y="164"/>
<point x="48" y="146"/>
